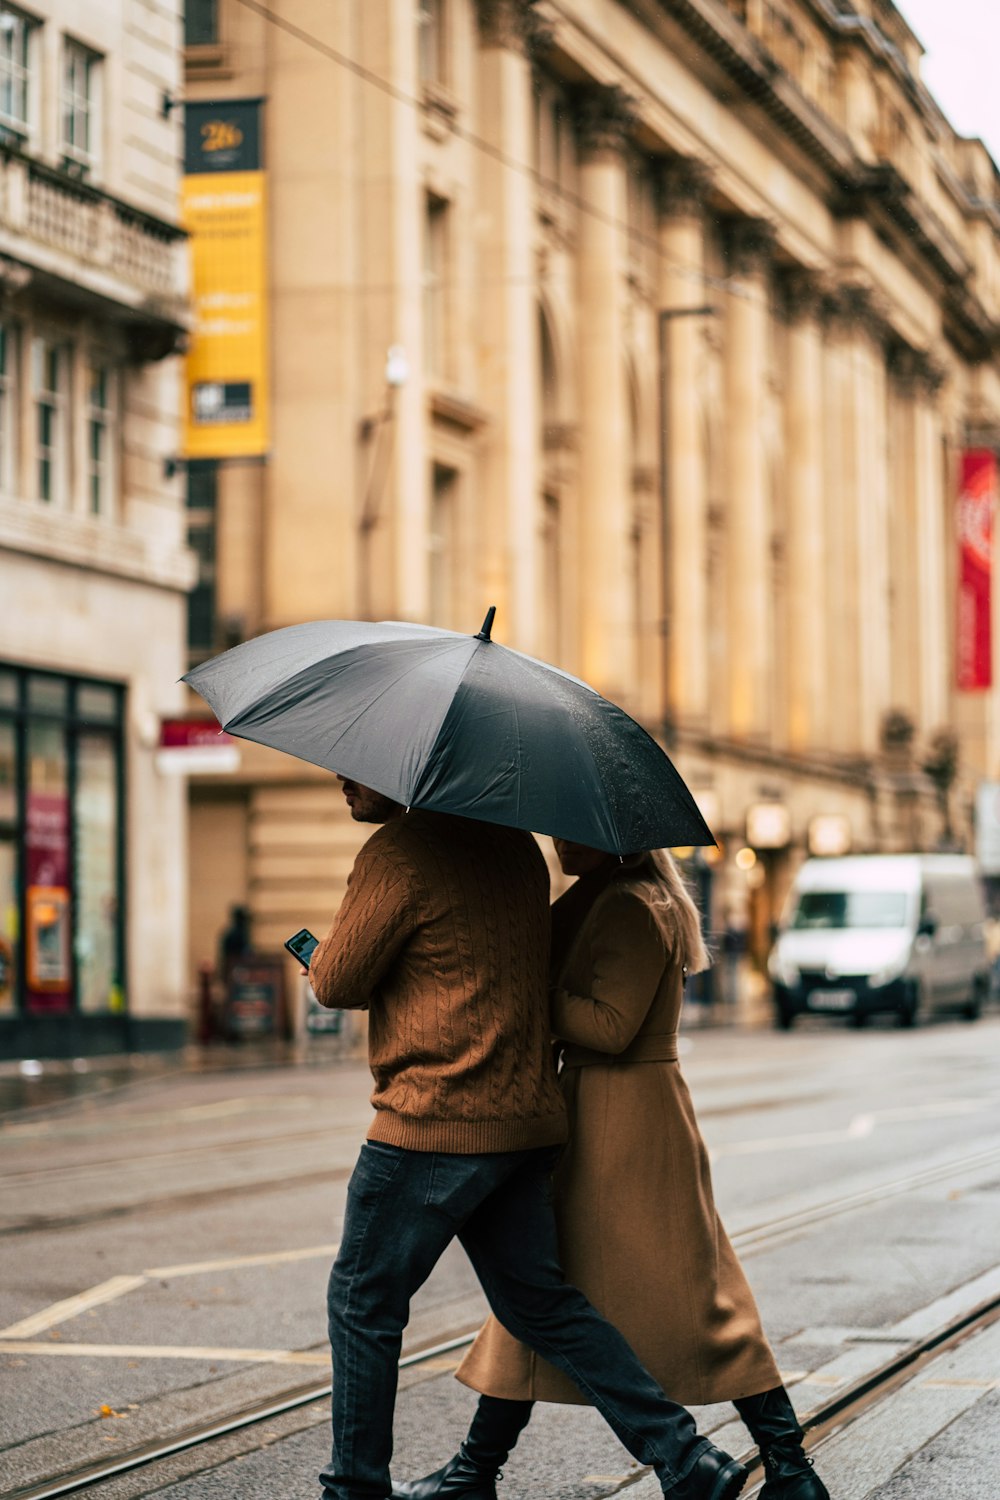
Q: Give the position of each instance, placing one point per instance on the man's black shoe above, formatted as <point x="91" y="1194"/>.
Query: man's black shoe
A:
<point x="458" y="1480"/>
<point x="714" y="1476"/>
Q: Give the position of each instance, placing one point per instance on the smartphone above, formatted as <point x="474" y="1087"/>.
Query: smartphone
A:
<point x="302" y="946"/>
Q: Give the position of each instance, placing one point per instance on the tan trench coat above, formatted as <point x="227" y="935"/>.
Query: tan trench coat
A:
<point x="638" y="1229"/>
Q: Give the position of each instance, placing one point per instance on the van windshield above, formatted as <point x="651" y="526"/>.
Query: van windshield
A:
<point x="826" y="909"/>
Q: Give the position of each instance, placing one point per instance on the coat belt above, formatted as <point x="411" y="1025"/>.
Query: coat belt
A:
<point x="660" y="1047"/>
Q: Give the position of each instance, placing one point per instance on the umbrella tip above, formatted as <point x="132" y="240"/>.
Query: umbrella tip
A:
<point x="484" y="634"/>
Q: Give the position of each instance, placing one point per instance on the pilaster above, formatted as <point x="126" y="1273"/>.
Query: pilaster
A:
<point x="607" y="647"/>
<point x="750" y="244"/>
<point x="508" y="521"/>
<point x="808" y="566"/>
<point x="683" y="187"/>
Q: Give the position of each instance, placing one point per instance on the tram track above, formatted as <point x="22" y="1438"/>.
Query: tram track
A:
<point x="830" y="1417"/>
<point x="753" y="1239"/>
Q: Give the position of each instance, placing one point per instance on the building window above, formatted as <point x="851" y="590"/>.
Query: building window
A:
<point x="16" y="47"/>
<point x="442" y="544"/>
<point x="201" y="23"/>
<point x="431" y="41"/>
<point x="49" y="382"/>
<point x="435" y="290"/>
<point x="79" y="106"/>
<point x="101" y="452"/>
<point x="202" y="496"/>
<point x="8" y="409"/>
<point x="61" y="853"/>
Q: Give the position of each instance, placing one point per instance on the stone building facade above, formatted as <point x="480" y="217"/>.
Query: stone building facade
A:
<point x="693" y="309"/>
<point x="94" y="567"/>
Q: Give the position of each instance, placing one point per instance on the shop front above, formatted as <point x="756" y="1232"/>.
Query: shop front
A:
<point x="63" y="981"/>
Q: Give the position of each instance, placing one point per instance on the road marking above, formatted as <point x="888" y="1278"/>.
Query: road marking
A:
<point x="168" y="1351"/>
<point x="857" y="1129"/>
<point x="951" y="1385"/>
<point x="269" y="1258"/>
<point x="72" y="1307"/>
<point x="109" y="1291"/>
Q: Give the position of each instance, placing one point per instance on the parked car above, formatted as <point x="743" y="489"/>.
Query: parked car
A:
<point x="898" y="933"/>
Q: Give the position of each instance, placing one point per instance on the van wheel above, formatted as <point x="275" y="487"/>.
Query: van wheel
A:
<point x="783" y="1018"/>
<point x="859" y="1019"/>
<point x="973" y="1007"/>
<point x="909" y="1006"/>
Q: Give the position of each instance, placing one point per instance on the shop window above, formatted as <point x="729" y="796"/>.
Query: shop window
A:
<point x="202" y="492"/>
<point x="49" y="384"/>
<point x="95" y="850"/>
<point x="79" y="106"/>
<point x="442" y="544"/>
<point x="435" y="288"/>
<point x="201" y="23"/>
<point x="17" y="48"/>
<point x="101" y="434"/>
<point x="61" y="938"/>
<point x="8" y="409"/>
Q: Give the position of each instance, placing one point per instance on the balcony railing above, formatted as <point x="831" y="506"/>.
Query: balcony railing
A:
<point x="42" y="206"/>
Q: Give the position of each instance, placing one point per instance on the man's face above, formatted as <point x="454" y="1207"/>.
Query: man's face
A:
<point x="366" y="805"/>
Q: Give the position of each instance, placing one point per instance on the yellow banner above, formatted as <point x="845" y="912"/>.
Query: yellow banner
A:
<point x="226" y="366"/>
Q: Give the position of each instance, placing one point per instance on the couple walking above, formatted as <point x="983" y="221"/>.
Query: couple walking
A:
<point x="445" y="935"/>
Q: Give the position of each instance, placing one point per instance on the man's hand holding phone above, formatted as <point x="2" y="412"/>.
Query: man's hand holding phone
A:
<point x="302" y="946"/>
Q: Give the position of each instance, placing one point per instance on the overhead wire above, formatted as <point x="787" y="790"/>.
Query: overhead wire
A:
<point x="728" y="285"/>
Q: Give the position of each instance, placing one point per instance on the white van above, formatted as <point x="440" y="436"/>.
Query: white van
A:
<point x="902" y="933"/>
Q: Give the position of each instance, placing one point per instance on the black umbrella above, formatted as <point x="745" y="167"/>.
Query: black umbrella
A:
<point x="455" y="723"/>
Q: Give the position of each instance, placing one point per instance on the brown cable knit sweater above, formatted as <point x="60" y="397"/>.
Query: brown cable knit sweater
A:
<point x="444" y="935"/>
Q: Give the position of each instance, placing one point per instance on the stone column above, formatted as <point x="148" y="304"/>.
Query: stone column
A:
<point x="683" y="188"/>
<point x="606" y="645"/>
<point x="934" y="548"/>
<point x="867" y="498"/>
<point x="808" y="688"/>
<point x="748" y="540"/>
<point x="508" y="522"/>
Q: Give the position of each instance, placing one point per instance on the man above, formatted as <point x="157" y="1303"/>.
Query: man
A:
<point x="444" y="935"/>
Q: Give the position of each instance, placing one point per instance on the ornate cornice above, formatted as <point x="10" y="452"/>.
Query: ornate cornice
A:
<point x="683" y="184"/>
<point x="505" y="23"/>
<point x="750" y="245"/>
<point x="604" y="115"/>
<point x="916" y="371"/>
<point x="802" y="294"/>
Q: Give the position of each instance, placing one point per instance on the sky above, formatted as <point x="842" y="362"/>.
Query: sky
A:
<point x="962" y="39"/>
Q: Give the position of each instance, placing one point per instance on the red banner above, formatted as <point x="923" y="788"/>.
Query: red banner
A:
<point x="976" y="502"/>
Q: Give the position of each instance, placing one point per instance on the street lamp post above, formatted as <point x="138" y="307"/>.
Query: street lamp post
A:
<point x="667" y="315"/>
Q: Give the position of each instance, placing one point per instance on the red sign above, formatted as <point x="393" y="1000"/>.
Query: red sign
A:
<point x="192" y="734"/>
<point x="976" y="502"/>
<point x="50" y="968"/>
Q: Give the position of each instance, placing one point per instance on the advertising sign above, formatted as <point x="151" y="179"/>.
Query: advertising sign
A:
<point x="223" y="208"/>
<point x="47" y="902"/>
<point x="976" y="501"/>
<point x="254" y="997"/>
<point x="195" y="747"/>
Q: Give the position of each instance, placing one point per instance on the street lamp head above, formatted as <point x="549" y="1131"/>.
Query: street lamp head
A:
<point x="397" y="366"/>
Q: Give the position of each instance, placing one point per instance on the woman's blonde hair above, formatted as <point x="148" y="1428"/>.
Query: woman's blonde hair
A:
<point x="656" y="877"/>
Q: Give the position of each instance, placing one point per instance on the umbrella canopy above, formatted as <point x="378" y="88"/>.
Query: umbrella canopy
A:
<point x="455" y="723"/>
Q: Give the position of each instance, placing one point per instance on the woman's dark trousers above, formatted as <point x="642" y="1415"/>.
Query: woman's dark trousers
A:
<point x="403" y="1210"/>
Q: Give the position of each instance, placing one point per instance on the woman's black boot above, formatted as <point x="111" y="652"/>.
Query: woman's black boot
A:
<point x="775" y="1429"/>
<point x="473" y="1473"/>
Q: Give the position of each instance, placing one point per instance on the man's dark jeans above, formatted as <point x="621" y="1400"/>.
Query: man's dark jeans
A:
<point x="403" y="1210"/>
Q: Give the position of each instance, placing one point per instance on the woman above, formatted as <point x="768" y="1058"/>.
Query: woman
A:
<point x="638" y="1229"/>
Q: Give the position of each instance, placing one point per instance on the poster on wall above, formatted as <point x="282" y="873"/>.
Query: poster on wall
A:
<point x="48" y="912"/>
<point x="976" y="504"/>
<point x="224" y="210"/>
